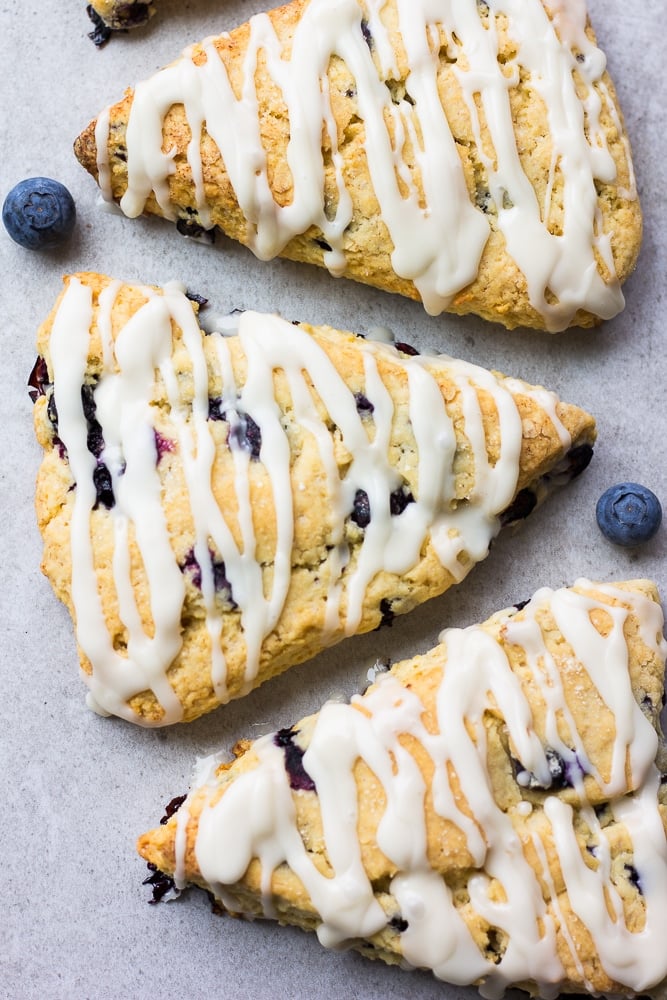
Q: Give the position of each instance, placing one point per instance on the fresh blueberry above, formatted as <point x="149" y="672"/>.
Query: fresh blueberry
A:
<point x="39" y="213"/>
<point x="628" y="514"/>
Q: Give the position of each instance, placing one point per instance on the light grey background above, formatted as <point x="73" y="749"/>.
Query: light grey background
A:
<point x="76" y="789"/>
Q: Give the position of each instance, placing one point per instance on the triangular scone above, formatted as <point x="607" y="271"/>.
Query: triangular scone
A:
<point x="493" y="810"/>
<point x="218" y="508"/>
<point x="470" y="155"/>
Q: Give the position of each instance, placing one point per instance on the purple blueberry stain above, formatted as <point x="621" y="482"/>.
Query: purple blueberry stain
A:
<point x="221" y="584"/>
<point x="244" y="434"/>
<point x="564" y="773"/>
<point x="191" y="566"/>
<point x="366" y="32"/>
<point x="364" y="406"/>
<point x="299" y="779"/>
<point x="163" y="445"/>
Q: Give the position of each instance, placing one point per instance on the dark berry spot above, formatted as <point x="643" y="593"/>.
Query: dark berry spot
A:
<point x="494" y="944"/>
<point x="578" y="459"/>
<point x="633" y="878"/>
<point x="361" y="511"/>
<point x="483" y="199"/>
<point x="172" y="807"/>
<point x="563" y="773"/>
<point x="191" y="566"/>
<point x="244" y="434"/>
<point x="299" y="779"/>
<point x="387" y="615"/>
<point x="103" y="488"/>
<point x="198" y="299"/>
<point x="195" y="231"/>
<point x="399" y="500"/>
<point x="95" y="440"/>
<point x="520" y="605"/>
<point x="160" y="883"/>
<point x="215" y="410"/>
<point x="399" y="924"/>
<point x="38" y="380"/>
<point x="221" y="584"/>
<point x="52" y="411"/>
<point x="364" y="406"/>
<point x="522" y="505"/>
<point x="132" y="15"/>
<point x="101" y="31"/>
<point x="406" y="348"/>
<point x="366" y="32"/>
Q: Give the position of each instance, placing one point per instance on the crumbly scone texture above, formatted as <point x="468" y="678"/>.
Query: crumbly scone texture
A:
<point x="122" y="14"/>
<point x="447" y="851"/>
<point x="300" y="631"/>
<point x="499" y="292"/>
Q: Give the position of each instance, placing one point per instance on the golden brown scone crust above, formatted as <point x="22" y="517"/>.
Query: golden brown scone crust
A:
<point x="448" y="853"/>
<point x="500" y="291"/>
<point x="299" y="631"/>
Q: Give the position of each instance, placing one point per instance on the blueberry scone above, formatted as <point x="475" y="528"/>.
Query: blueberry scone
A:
<point x="216" y="508"/>
<point x="493" y="811"/>
<point x="468" y="155"/>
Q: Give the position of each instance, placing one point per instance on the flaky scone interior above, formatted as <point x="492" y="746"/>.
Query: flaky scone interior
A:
<point x="469" y="155"/>
<point x="493" y="810"/>
<point x="218" y="507"/>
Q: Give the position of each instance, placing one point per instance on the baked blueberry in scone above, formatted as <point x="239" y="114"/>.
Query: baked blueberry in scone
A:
<point x="468" y="155"/>
<point x="117" y="15"/>
<point x="216" y="508"/>
<point x="493" y="810"/>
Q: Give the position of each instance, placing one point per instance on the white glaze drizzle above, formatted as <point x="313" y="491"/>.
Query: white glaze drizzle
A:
<point x="460" y="530"/>
<point x="255" y="817"/>
<point x="560" y="269"/>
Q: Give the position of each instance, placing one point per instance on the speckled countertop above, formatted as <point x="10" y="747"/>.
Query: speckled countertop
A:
<point x="76" y="788"/>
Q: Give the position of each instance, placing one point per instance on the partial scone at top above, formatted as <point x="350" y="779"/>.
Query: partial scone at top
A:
<point x="470" y="155"/>
<point x="119" y="15"/>
<point x="218" y="508"/>
<point x="493" y="810"/>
